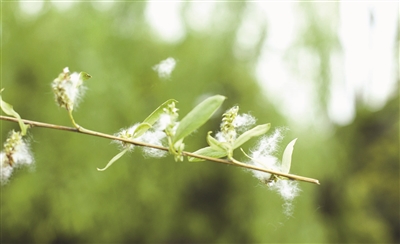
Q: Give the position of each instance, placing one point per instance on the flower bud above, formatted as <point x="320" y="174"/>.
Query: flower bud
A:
<point x="68" y="88"/>
<point x="16" y="153"/>
<point x="227" y="126"/>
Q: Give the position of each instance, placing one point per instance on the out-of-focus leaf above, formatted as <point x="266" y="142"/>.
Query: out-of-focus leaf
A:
<point x="115" y="158"/>
<point x="287" y="157"/>
<point x="9" y="110"/>
<point x="209" y="152"/>
<point x="155" y="115"/>
<point x="84" y="76"/>
<point x="198" y="116"/>
<point x="151" y="119"/>
<point x="141" y="129"/>
<point x="214" y="143"/>
<point x="256" y="131"/>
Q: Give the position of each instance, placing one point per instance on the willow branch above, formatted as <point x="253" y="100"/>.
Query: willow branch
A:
<point x="143" y="144"/>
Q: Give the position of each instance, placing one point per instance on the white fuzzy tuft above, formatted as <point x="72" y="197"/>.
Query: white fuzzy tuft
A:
<point x="5" y="169"/>
<point x="286" y="188"/>
<point x="126" y="134"/>
<point x="22" y="155"/>
<point x="163" y="122"/>
<point x="288" y="191"/>
<point x="155" y="138"/>
<point x="263" y="156"/>
<point x="165" y="68"/>
<point x="68" y="89"/>
<point x="242" y="122"/>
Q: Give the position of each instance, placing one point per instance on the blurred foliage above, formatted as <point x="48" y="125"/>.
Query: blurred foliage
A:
<point x="140" y="199"/>
<point x="368" y="192"/>
<point x="319" y="37"/>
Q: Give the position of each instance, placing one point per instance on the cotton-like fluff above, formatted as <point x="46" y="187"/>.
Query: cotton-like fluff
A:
<point x="126" y="134"/>
<point x="154" y="137"/>
<point x="165" y="68"/>
<point x="68" y="88"/>
<point x="5" y="169"/>
<point x="288" y="190"/>
<point x="243" y="122"/>
<point x="233" y="124"/>
<point x="16" y="154"/>
<point x="263" y="155"/>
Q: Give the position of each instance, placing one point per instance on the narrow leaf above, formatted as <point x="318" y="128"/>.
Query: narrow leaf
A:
<point x="256" y="131"/>
<point x="8" y="109"/>
<point x="198" y="116"/>
<point x="115" y="158"/>
<point x="155" y="115"/>
<point x="209" y="152"/>
<point x="287" y="157"/>
<point x="214" y="143"/>
<point x="141" y="129"/>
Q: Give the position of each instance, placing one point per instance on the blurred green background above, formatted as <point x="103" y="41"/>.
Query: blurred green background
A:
<point x="64" y="199"/>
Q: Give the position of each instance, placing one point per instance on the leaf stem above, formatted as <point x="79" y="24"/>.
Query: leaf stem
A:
<point x="72" y="119"/>
<point x="143" y="144"/>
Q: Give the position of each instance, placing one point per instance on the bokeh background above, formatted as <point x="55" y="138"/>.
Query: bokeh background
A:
<point x="327" y="71"/>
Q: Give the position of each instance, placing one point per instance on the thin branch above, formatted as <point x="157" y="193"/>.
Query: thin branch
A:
<point x="138" y="143"/>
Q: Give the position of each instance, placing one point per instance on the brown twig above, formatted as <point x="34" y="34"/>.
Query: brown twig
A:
<point x="143" y="144"/>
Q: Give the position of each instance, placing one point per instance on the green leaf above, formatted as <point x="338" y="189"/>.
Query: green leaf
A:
<point x="256" y="131"/>
<point x="155" y="115"/>
<point x="115" y="158"/>
<point x="215" y="144"/>
<point x="151" y="119"/>
<point x="198" y="116"/>
<point x="84" y="76"/>
<point x="287" y="157"/>
<point x="209" y="152"/>
<point x="8" y="109"/>
<point x="141" y="129"/>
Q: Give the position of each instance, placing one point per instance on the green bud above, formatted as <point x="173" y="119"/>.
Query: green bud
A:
<point x="84" y="76"/>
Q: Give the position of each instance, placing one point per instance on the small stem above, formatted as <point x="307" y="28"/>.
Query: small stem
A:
<point x="232" y="161"/>
<point x="73" y="120"/>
